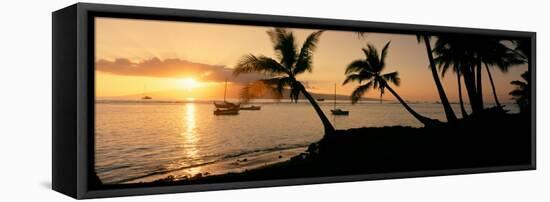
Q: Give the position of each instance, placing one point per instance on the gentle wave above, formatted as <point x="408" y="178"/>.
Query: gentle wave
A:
<point x="224" y="157"/>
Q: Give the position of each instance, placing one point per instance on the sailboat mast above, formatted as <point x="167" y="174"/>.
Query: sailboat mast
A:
<point x="225" y="90"/>
<point x="334" y="95"/>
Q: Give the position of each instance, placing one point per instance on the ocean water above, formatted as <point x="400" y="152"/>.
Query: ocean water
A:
<point x="143" y="141"/>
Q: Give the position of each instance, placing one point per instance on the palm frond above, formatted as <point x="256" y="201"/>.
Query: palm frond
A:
<point x="284" y="46"/>
<point x="392" y="77"/>
<point x="371" y="55"/>
<point x="495" y="53"/>
<point x="383" y="55"/>
<point x="376" y="83"/>
<point x="375" y="61"/>
<point x="357" y="66"/>
<point x="305" y="58"/>
<point x="261" y="64"/>
<point x="360" y="91"/>
<point x="352" y="78"/>
<point x="444" y="67"/>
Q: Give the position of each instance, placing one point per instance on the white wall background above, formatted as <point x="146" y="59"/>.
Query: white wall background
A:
<point x="25" y="99"/>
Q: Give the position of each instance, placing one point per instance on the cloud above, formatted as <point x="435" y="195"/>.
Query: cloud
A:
<point x="172" y="68"/>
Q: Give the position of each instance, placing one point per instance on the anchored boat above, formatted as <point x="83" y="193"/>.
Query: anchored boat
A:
<point x="226" y="108"/>
<point x="253" y="107"/>
<point x="338" y="111"/>
<point x="218" y="112"/>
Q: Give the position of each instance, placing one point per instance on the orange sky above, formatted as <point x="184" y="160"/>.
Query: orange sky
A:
<point x="169" y="53"/>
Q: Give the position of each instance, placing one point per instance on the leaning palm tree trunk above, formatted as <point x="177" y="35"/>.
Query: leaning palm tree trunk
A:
<point x="424" y="120"/>
<point x="449" y="113"/>
<point x="329" y="129"/>
<point x="493" y="86"/>
<point x="462" y="109"/>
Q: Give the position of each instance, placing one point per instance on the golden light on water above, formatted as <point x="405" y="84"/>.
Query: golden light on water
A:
<point x="190" y="137"/>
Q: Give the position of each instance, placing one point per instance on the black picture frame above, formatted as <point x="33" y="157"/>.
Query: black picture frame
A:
<point x="73" y="92"/>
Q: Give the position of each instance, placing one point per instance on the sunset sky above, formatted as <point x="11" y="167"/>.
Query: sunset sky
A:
<point x="187" y="59"/>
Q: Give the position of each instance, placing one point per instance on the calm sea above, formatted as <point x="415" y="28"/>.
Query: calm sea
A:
<point x="143" y="141"/>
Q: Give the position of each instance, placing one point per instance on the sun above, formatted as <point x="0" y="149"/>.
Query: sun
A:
<point x="189" y="83"/>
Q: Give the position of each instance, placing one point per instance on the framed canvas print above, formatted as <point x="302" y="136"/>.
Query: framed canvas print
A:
<point x="154" y="100"/>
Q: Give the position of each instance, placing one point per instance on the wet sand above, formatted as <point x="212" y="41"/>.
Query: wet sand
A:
<point x="232" y="165"/>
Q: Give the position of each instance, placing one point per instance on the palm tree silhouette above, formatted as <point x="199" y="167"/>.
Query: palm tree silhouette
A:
<point x="493" y="53"/>
<point x="290" y="63"/>
<point x="457" y="52"/>
<point x="474" y="53"/>
<point x="369" y="70"/>
<point x="522" y="92"/>
<point x="449" y="113"/>
<point x="456" y="65"/>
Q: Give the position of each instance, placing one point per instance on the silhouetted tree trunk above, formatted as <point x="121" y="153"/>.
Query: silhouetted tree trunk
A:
<point x="424" y="120"/>
<point x="469" y="82"/>
<point x="449" y="113"/>
<point x="329" y="129"/>
<point x="479" y="83"/>
<point x="493" y="86"/>
<point x="462" y="109"/>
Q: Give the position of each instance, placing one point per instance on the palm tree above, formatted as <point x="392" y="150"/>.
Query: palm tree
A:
<point x="457" y="66"/>
<point x="474" y="53"/>
<point x="522" y="92"/>
<point x="369" y="70"/>
<point x="449" y="113"/>
<point x="290" y="62"/>
<point x="493" y="53"/>
<point x="459" y="83"/>
<point x="457" y="50"/>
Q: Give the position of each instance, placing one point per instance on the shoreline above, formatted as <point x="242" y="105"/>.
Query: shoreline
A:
<point x="272" y="101"/>
<point x="231" y="165"/>
<point x="491" y="140"/>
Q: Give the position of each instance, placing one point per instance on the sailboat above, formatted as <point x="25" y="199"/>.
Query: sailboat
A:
<point x="225" y="103"/>
<point x="338" y="111"/>
<point x="145" y="97"/>
<point x="226" y="108"/>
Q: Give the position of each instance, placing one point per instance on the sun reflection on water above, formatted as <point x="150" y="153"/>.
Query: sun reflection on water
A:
<point x="190" y="138"/>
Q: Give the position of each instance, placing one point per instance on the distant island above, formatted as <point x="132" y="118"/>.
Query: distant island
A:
<point x="233" y="92"/>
